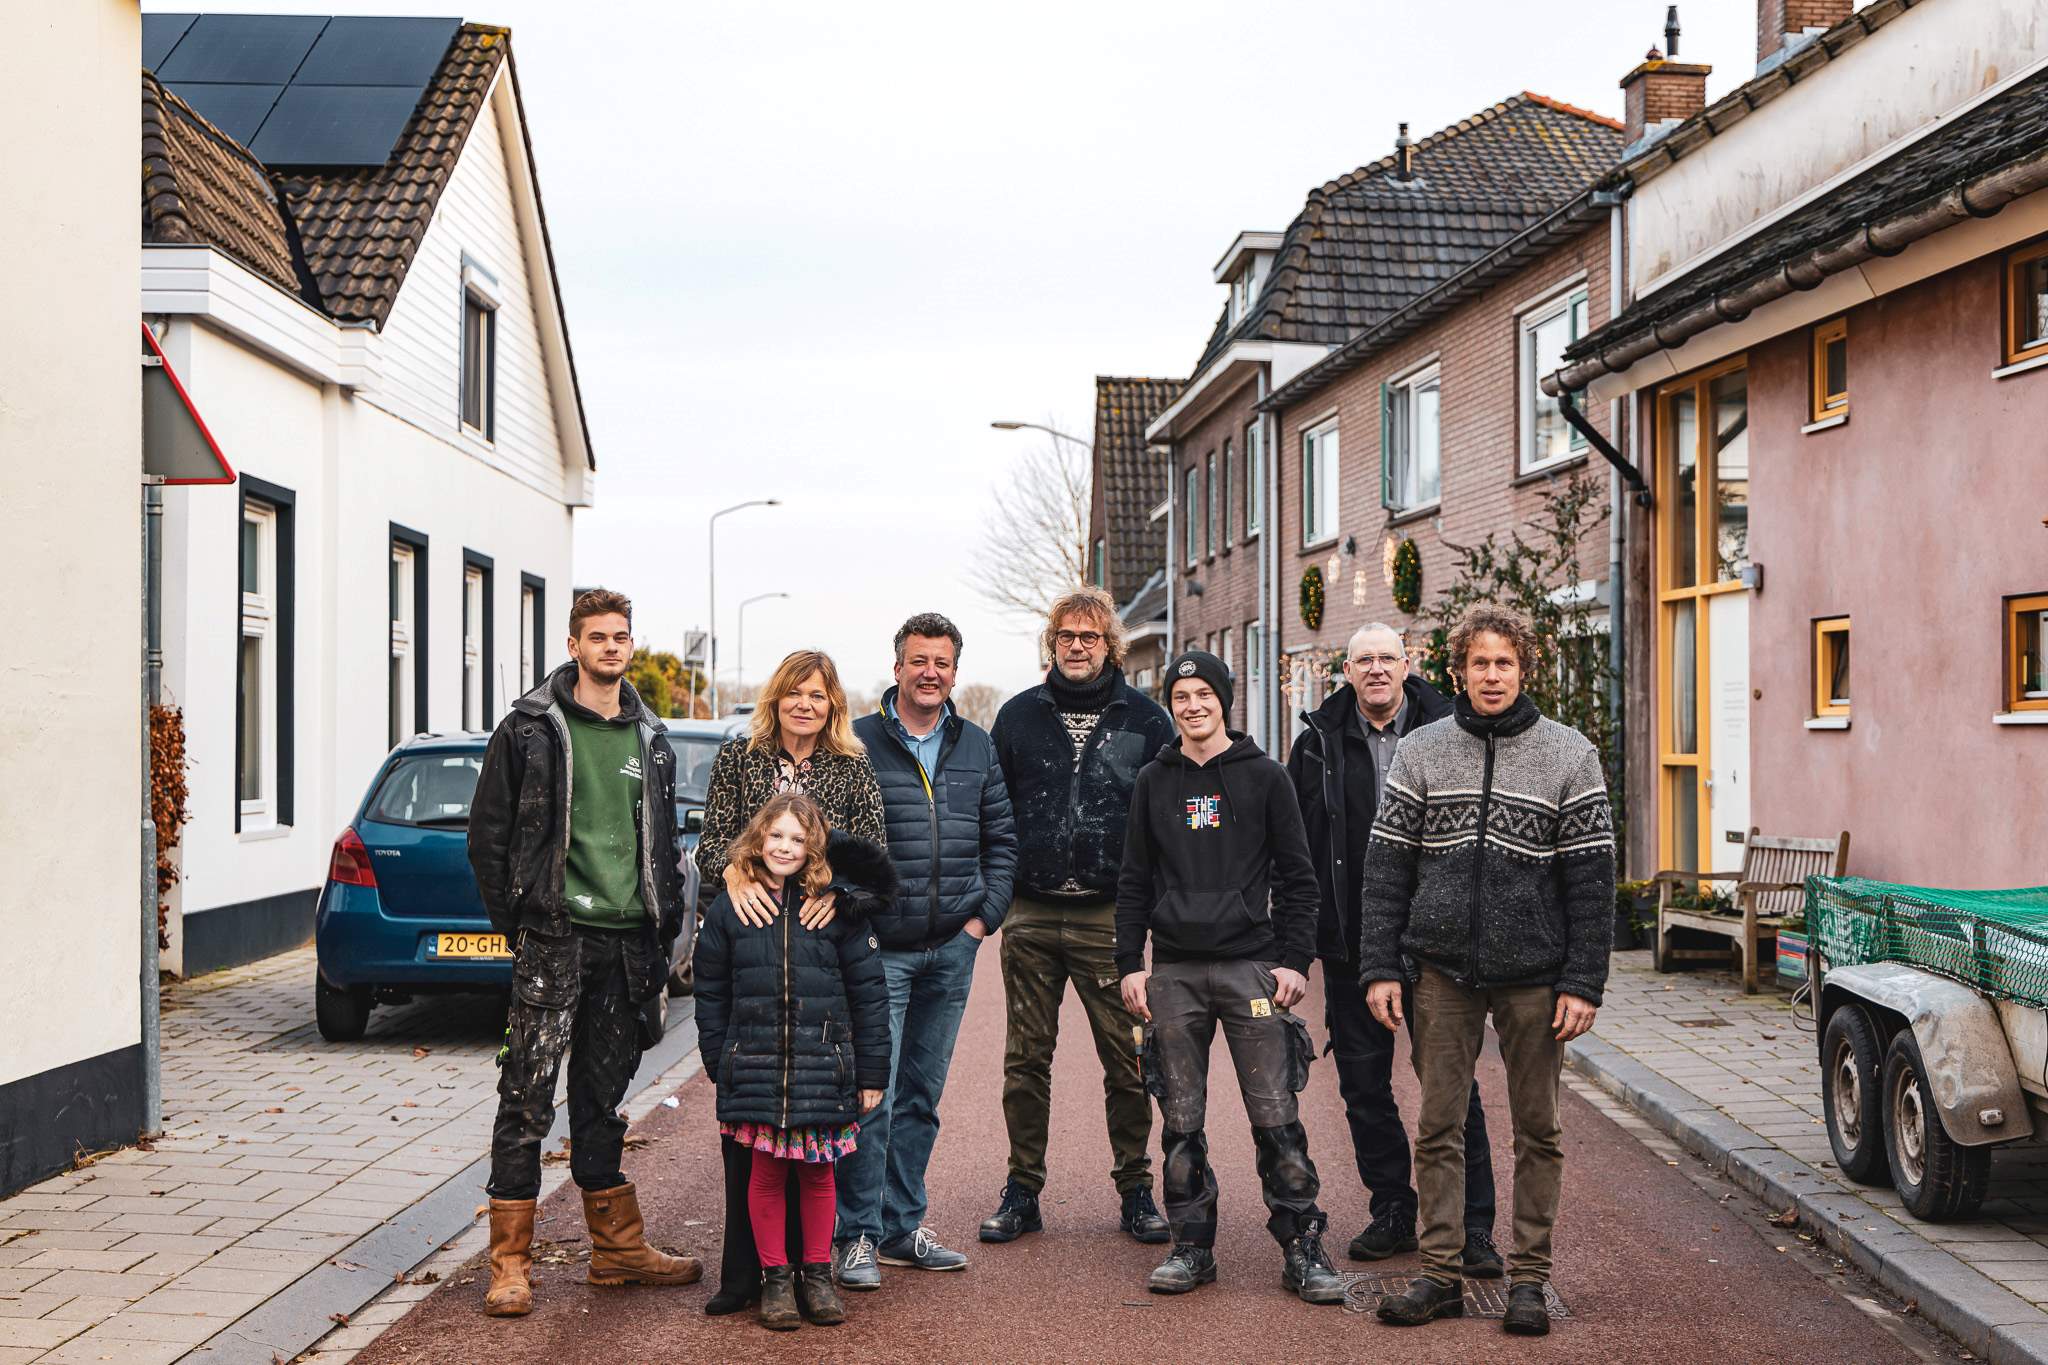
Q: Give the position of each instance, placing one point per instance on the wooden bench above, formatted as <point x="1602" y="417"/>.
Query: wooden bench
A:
<point x="1770" y="889"/>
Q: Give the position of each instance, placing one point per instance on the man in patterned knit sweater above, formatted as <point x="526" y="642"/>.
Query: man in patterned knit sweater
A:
<point x="1070" y="751"/>
<point x="1489" y="884"/>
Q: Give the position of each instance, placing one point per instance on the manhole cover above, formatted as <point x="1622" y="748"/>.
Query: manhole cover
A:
<point x="1483" y="1298"/>
<point x="1703" y="1023"/>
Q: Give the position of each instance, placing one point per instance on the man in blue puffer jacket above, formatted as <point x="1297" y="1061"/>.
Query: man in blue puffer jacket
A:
<point x="954" y="845"/>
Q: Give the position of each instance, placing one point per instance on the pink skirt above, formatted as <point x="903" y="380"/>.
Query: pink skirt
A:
<point x="812" y="1142"/>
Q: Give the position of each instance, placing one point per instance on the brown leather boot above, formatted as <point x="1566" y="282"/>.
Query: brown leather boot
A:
<point x="618" y="1243"/>
<point x="778" y="1311"/>
<point x="816" y="1299"/>
<point x="511" y="1292"/>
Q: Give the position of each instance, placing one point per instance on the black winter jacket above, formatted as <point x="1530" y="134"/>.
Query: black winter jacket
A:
<point x="952" y="840"/>
<point x="519" y="841"/>
<point x="1338" y="786"/>
<point x="1070" y="822"/>
<point x="793" y="1023"/>
<point x="1215" y="866"/>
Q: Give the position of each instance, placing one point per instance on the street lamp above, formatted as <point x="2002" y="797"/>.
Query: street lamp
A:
<point x="1040" y="426"/>
<point x="740" y="652"/>
<point x="713" y="576"/>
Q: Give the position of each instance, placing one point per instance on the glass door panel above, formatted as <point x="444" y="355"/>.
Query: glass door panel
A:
<point x="1683" y="498"/>
<point x="1731" y="476"/>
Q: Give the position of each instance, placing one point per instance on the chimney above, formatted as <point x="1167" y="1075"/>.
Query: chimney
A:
<point x="1404" y="156"/>
<point x="1778" y="20"/>
<point x="1662" y="89"/>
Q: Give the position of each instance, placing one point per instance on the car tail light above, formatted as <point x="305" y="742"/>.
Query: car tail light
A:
<point x="351" y="865"/>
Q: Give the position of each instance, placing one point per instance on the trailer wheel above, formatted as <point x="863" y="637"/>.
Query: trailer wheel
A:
<point x="1939" y="1178"/>
<point x="1852" y="1065"/>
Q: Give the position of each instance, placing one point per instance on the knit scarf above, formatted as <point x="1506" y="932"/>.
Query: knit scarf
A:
<point x="1520" y="715"/>
<point x="1092" y="696"/>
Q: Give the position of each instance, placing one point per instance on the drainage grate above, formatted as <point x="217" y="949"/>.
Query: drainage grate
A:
<point x="1703" y="1023"/>
<point x="1483" y="1298"/>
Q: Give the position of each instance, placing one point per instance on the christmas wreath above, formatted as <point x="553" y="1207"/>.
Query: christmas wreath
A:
<point x="1407" y="577"/>
<point x="1312" y="598"/>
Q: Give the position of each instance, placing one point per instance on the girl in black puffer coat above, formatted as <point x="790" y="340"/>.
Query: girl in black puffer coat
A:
<point x="794" y="1026"/>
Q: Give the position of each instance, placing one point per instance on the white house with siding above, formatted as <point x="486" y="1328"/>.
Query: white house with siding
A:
<point x="370" y="323"/>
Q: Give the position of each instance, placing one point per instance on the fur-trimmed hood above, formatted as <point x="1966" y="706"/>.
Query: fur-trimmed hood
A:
<point x="863" y="878"/>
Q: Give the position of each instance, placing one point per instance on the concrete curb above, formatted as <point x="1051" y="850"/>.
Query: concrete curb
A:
<point x="301" y="1313"/>
<point x="1989" y="1320"/>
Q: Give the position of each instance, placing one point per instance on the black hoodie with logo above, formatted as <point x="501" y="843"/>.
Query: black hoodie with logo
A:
<point x="1216" y="863"/>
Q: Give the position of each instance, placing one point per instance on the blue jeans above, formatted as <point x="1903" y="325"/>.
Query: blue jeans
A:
<point x="881" y="1186"/>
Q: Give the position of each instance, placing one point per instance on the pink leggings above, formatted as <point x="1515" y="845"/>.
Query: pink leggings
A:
<point x="767" y="1196"/>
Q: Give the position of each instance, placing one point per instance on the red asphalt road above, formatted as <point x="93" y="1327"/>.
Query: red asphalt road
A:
<point x="1649" y="1266"/>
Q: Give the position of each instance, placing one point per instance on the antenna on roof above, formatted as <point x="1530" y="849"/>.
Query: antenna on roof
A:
<point x="1671" y="31"/>
<point x="1404" y="156"/>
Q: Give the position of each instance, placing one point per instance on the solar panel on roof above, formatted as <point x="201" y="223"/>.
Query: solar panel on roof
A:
<point x="334" y="125"/>
<point x="160" y="33"/>
<point x="378" y="51"/>
<point x="243" y="49"/>
<point x="237" y="110"/>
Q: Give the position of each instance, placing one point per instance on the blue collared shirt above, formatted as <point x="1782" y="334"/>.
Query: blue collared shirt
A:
<point x="924" y="747"/>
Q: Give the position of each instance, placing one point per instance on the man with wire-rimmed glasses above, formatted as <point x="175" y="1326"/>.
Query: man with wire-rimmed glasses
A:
<point x="1339" y="765"/>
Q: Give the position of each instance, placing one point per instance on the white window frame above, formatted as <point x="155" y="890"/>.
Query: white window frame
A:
<point x="1406" y="493"/>
<point x="1223" y="498"/>
<point x="1255" y="682"/>
<point x="473" y="661"/>
<point x="259" y="622"/>
<point x="484" y="338"/>
<point x="1223" y="644"/>
<point x="1209" y="505"/>
<point x="1321" y="482"/>
<point x="405" y="563"/>
<point x="1191" y="486"/>
<point x="1243" y="290"/>
<point x="1574" y="306"/>
<point x="1254" y="477"/>
<point x="526" y="605"/>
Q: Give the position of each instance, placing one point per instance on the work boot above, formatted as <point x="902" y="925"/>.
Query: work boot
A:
<point x="1527" y="1315"/>
<point x="511" y="1291"/>
<point x="815" y="1297"/>
<point x="1307" y="1271"/>
<point x="1422" y="1301"/>
<point x="1141" y="1217"/>
<point x="855" y="1265"/>
<point x="1184" y="1268"/>
<point x="1387" y="1235"/>
<point x="618" y="1243"/>
<point x="1481" y="1258"/>
<point x="1015" y="1216"/>
<point x="778" y="1299"/>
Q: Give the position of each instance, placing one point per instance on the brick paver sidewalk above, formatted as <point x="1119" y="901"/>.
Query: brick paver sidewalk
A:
<point x="1749" y="1058"/>
<point x="280" y="1149"/>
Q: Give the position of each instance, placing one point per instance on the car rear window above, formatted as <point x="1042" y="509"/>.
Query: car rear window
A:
<point x="427" y="789"/>
<point x="693" y="762"/>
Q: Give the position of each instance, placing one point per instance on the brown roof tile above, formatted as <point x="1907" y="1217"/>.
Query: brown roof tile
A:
<point x="201" y="187"/>
<point x="1133" y="477"/>
<point x="360" y="228"/>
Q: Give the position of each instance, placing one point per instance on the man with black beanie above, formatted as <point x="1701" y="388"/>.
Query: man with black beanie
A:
<point x="1070" y="751"/>
<point x="1216" y="872"/>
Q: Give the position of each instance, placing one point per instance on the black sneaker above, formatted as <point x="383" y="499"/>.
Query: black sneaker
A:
<point x="1481" y="1258"/>
<point x="1141" y="1218"/>
<point x="1183" y="1269"/>
<point x="1389" y="1235"/>
<point x="1526" y="1316"/>
<point x="1423" y="1301"/>
<point x="1307" y="1272"/>
<point x="1015" y="1216"/>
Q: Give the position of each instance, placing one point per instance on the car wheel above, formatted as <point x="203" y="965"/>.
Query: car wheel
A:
<point x="682" y="980"/>
<point x="1852" y="1096"/>
<point x="343" y="1012"/>
<point x="1938" y="1177"/>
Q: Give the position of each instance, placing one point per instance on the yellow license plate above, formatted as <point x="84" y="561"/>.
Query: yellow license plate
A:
<point x="470" y="945"/>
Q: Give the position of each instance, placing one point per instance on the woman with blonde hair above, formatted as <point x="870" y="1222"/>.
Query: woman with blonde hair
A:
<point x="801" y="742"/>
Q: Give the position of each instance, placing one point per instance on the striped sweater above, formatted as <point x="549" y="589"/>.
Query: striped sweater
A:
<point x="1492" y="856"/>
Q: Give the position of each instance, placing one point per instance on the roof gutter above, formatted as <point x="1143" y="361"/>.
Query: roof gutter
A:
<point x="1979" y="198"/>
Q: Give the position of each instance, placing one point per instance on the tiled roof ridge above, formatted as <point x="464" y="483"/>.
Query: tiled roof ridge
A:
<point x="1563" y="108"/>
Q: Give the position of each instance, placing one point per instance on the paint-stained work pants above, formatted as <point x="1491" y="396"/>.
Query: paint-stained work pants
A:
<point x="599" y="1029"/>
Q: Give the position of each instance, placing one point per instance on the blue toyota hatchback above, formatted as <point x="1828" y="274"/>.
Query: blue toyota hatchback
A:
<point x="400" y="915"/>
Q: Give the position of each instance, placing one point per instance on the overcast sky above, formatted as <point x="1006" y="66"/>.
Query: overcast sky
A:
<point x="811" y="251"/>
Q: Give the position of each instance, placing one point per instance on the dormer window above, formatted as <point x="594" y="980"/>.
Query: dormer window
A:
<point x="1243" y="269"/>
<point x="1241" y="293"/>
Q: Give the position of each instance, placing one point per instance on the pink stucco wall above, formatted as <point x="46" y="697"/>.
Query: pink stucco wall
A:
<point x="1915" y="519"/>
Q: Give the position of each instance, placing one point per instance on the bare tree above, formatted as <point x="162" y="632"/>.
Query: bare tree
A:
<point x="979" y="703"/>
<point x="1035" y="539"/>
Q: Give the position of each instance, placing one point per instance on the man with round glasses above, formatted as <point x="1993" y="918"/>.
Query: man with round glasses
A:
<point x="1070" y="750"/>
<point x="1339" y="765"/>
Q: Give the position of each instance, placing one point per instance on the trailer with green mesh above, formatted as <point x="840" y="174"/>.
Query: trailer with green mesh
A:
<point x="1932" y="1008"/>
